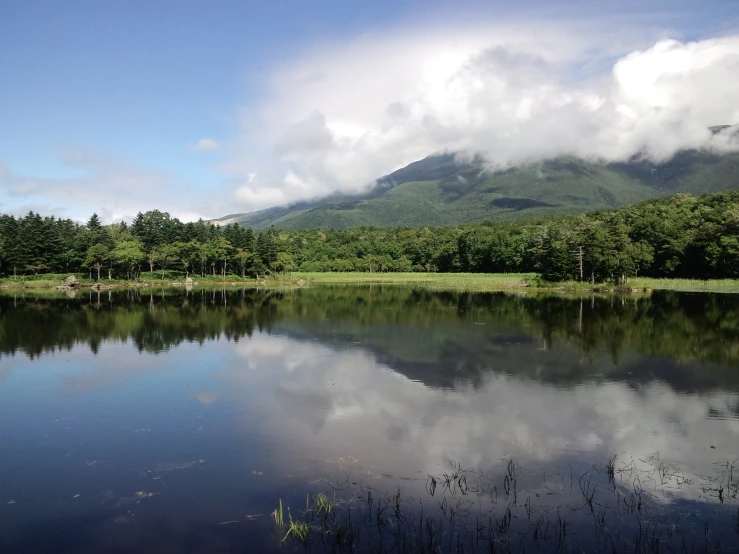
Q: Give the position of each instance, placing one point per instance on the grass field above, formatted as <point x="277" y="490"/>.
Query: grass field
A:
<point x="450" y="281"/>
<point x="695" y="285"/>
<point x="483" y="282"/>
<point x="435" y="281"/>
<point x="635" y="284"/>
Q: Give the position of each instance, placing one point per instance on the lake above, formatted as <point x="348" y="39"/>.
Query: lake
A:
<point x="387" y="419"/>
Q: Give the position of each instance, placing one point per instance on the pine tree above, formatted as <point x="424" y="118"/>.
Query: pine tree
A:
<point x="93" y="224"/>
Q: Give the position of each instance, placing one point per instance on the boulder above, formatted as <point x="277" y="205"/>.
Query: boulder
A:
<point x="71" y="281"/>
<point x="100" y="286"/>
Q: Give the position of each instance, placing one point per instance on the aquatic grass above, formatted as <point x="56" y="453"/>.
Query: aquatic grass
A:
<point x="344" y="536"/>
<point x="298" y="530"/>
<point x="324" y="505"/>
<point x="278" y="515"/>
<point x="588" y="494"/>
<point x="390" y="522"/>
<point x="611" y="469"/>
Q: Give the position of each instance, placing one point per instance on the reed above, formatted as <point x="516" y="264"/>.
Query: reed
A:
<point x="298" y="530"/>
<point x="278" y="516"/>
<point x="369" y="520"/>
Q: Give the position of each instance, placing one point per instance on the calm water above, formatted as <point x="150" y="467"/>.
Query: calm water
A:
<point x="175" y="421"/>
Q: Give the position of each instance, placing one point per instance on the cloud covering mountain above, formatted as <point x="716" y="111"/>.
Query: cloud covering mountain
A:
<point x="254" y="105"/>
<point x="344" y="113"/>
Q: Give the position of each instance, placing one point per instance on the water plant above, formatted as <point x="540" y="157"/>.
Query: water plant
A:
<point x="324" y="505"/>
<point x="367" y="519"/>
<point x="278" y="516"/>
<point x="611" y="468"/>
<point x="298" y="530"/>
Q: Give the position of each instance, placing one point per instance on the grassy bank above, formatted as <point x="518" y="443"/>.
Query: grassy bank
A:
<point x="506" y="281"/>
<point x="438" y="281"/>
<point x="449" y="281"/>
<point x="638" y="284"/>
<point x="156" y="278"/>
<point x="696" y="285"/>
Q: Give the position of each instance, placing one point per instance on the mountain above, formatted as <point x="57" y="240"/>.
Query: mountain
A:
<point x="439" y="190"/>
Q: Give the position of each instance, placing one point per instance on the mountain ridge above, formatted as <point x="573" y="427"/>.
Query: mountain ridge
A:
<point x="442" y="190"/>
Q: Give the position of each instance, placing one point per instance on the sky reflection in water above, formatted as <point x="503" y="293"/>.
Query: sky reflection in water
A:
<point x="214" y="418"/>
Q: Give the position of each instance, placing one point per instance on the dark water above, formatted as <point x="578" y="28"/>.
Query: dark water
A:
<point x="175" y="421"/>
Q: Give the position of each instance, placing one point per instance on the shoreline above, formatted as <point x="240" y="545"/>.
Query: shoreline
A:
<point x="472" y="282"/>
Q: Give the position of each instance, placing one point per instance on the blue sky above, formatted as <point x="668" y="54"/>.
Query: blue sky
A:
<point x="102" y="103"/>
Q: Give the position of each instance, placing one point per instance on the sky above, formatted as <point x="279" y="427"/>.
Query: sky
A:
<point x="204" y="109"/>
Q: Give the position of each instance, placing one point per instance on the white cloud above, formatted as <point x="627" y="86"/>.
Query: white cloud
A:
<point x="207" y="145"/>
<point x="515" y="93"/>
<point x="255" y="193"/>
<point x="319" y="394"/>
<point x="114" y="189"/>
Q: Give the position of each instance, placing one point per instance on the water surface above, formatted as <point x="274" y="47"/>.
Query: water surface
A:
<point x="176" y="420"/>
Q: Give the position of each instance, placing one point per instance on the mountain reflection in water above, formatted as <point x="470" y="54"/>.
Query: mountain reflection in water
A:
<point x="175" y="420"/>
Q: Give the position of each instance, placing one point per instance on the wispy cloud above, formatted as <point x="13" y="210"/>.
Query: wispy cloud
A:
<point x="206" y="145"/>
<point x="113" y="188"/>
<point x="514" y="92"/>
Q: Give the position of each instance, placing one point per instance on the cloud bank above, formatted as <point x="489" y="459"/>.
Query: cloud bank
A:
<point x="342" y="115"/>
<point x="114" y="189"/>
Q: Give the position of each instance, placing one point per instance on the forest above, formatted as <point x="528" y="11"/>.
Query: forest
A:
<point x="678" y="236"/>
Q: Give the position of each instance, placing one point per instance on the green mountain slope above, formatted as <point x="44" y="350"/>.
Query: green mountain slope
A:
<point x="438" y="190"/>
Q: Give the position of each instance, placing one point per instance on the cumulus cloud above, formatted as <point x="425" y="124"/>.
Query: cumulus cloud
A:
<point x="207" y="145"/>
<point x="515" y="93"/>
<point x="327" y="393"/>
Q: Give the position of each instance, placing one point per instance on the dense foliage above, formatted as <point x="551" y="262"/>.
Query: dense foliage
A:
<point x="679" y="236"/>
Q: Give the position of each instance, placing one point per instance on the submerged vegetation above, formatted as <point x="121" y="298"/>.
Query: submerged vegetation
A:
<point x="617" y="506"/>
<point x="681" y="236"/>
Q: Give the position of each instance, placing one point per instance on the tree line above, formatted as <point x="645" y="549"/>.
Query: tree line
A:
<point x="677" y="236"/>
